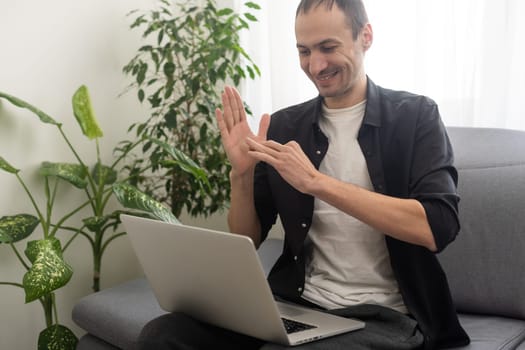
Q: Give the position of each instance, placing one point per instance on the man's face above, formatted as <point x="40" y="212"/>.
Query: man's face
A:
<point x="330" y="57"/>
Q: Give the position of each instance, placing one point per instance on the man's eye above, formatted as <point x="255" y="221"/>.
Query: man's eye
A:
<point x="304" y="52"/>
<point x="328" y="48"/>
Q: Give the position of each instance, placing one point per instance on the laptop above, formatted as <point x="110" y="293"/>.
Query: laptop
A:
<point x="217" y="277"/>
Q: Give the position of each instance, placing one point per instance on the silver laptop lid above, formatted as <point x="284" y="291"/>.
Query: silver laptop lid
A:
<point x="206" y="274"/>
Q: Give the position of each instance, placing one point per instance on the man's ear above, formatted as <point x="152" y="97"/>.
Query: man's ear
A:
<point x="367" y="36"/>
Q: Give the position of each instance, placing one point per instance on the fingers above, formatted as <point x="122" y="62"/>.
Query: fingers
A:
<point x="278" y="155"/>
<point x="221" y="123"/>
<point x="264" y="124"/>
<point x="288" y="160"/>
<point x="268" y="151"/>
<point x="233" y="108"/>
<point x="237" y="105"/>
<point x="226" y="116"/>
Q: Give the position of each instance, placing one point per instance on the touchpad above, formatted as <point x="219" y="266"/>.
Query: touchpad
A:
<point x="289" y="310"/>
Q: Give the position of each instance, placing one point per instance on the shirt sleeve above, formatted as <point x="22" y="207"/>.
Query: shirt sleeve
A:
<point x="434" y="177"/>
<point x="264" y="204"/>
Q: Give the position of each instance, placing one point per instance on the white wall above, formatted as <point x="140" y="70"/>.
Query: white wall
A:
<point x="47" y="50"/>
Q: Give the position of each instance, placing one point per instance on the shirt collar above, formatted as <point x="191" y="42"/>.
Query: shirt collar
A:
<point x="372" y="112"/>
<point x="373" y="105"/>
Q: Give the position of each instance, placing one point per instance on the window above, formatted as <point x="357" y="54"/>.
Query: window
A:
<point x="465" y="54"/>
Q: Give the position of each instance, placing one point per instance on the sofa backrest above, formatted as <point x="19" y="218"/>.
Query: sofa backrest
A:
<point x="485" y="265"/>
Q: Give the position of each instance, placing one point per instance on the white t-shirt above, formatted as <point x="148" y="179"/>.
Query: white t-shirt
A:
<point x="347" y="261"/>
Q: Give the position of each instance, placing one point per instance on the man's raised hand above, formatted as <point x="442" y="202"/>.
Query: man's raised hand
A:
<point x="235" y="130"/>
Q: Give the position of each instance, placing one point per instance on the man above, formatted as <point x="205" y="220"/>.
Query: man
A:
<point x="363" y="182"/>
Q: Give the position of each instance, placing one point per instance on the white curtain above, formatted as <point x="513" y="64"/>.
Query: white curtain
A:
<point x="465" y="54"/>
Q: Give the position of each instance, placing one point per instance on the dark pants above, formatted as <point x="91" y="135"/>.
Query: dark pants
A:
<point x="385" y="329"/>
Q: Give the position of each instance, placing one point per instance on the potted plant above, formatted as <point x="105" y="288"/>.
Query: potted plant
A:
<point x="192" y="51"/>
<point x="43" y="259"/>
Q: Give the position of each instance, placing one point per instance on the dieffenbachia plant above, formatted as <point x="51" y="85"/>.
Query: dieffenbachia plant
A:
<point x="43" y="258"/>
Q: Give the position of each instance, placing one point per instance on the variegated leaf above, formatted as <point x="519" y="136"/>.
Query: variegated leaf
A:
<point x="49" y="271"/>
<point x="75" y="174"/>
<point x="130" y="197"/>
<point x="84" y="113"/>
<point x="33" y="248"/>
<point x="4" y="238"/>
<point x="104" y="173"/>
<point x="22" y="104"/>
<point x="57" y="337"/>
<point x="95" y="223"/>
<point x="17" y="227"/>
<point x="4" y="165"/>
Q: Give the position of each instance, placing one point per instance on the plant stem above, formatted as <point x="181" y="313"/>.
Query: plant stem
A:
<point x="49" y="206"/>
<point x="47" y="303"/>
<point x="54" y="302"/>
<point x="97" y="262"/>
<point x="90" y="179"/>
<point x="12" y="284"/>
<point x="59" y="223"/>
<point x="115" y="236"/>
<point x="19" y="256"/>
<point x="71" y="146"/>
<point x="124" y="154"/>
<point x="99" y="189"/>
<point x="39" y="213"/>
<point x="72" y="238"/>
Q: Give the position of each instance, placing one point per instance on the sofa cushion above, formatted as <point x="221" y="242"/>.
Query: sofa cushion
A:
<point x="491" y="333"/>
<point x="115" y="316"/>
<point x="90" y="342"/>
<point x="485" y="263"/>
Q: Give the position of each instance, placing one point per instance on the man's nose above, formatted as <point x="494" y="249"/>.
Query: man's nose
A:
<point x="317" y="63"/>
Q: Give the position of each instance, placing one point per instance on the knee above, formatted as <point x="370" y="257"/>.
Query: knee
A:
<point x="161" y="333"/>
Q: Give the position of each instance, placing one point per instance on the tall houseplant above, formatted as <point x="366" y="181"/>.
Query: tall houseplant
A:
<point x="43" y="258"/>
<point x="192" y="51"/>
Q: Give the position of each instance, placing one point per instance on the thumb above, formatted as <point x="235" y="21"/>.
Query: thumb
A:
<point x="264" y="124"/>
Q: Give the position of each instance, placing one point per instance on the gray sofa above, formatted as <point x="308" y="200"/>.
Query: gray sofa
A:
<point x="485" y="265"/>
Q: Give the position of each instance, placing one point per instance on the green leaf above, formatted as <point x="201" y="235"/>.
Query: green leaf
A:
<point x="16" y="228"/>
<point x="141" y="74"/>
<point x="252" y="5"/>
<point x="250" y="17"/>
<point x="169" y="69"/>
<point x="225" y="11"/>
<point x="4" y="165"/>
<point x="95" y="223"/>
<point x="250" y="72"/>
<point x="4" y="238"/>
<point x="160" y="37"/>
<point x="49" y="271"/>
<point x="84" y="113"/>
<point x="183" y="161"/>
<point x="257" y="69"/>
<point x="171" y="119"/>
<point x="130" y="197"/>
<point x="57" y="337"/>
<point x="104" y="174"/>
<point x="33" y="248"/>
<point x="75" y="174"/>
<point x="22" y="104"/>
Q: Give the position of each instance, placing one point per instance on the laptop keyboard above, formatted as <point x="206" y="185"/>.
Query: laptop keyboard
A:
<point x="295" y="326"/>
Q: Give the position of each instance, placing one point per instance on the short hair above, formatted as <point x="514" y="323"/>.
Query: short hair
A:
<point x="354" y="11"/>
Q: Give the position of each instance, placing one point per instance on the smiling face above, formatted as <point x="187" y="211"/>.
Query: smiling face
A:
<point x="330" y="57"/>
